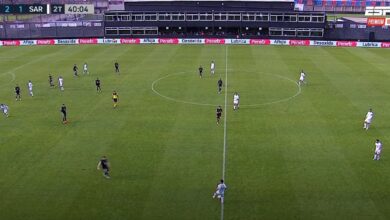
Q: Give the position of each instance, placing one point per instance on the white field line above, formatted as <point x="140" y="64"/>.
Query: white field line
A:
<point x="155" y="82"/>
<point x="173" y="99"/>
<point x="225" y="127"/>
<point x="12" y="71"/>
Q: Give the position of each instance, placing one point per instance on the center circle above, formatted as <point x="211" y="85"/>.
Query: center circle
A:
<point x="7" y="77"/>
<point x="255" y="88"/>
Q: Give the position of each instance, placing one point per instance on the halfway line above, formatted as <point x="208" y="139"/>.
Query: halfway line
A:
<point x="224" y="126"/>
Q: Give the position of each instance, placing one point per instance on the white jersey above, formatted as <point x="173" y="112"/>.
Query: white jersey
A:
<point x="61" y="81"/>
<point x="30" y="85"/>
<point x="302" y="77"/>
<point x="4" y="108"/>
<point x="221" y="188"/>
<point x="85" y="67"/>
<point x="369" y="117"/>
<point x="236" y="98"/>
<point x="212" y="66"/>
<point x="378" y="147"/>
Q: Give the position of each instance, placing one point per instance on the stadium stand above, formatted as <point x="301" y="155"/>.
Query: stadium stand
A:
<point x="262" y="19"/>
<point x="340" y="5"/>
<point x="237" y="19"/>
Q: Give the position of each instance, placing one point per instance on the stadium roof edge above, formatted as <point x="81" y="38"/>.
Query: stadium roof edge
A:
<point x="209" y="1"/>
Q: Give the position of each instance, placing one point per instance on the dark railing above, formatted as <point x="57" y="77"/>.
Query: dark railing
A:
<point x="231" y="16"/>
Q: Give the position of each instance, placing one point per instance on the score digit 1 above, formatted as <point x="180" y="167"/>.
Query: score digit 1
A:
<point x="20" y="9"/>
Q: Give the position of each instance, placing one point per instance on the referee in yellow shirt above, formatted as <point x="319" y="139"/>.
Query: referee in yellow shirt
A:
<point x="115" y="98"/>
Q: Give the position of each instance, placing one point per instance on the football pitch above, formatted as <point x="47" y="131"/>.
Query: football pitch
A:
<point x="289" y="152"/>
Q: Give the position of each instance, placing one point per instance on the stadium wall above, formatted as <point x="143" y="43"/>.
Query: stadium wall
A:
<point x="355" y="34"/>
<point x="200" y="6"/>
<point x="194" y="41"/>
<point x="96" y="29"/>
<point x="64" y="29"/>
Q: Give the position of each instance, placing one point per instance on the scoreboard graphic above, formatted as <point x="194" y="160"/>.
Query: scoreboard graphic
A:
<point x="47" y="9"/>
<point x="378" y="16"/>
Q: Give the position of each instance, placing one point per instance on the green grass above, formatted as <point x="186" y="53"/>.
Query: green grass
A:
<point x="331" y="17"/>
<point x="306" y="158"/>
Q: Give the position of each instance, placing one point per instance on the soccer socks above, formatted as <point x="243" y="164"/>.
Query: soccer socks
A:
<point x="220" y="197"/>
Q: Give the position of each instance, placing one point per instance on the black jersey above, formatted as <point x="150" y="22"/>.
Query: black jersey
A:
<point x="75" y="68"/>
<point x="220" y="83"/>
<point x="50" y="78"/>
<point x="219" y="111"/>
<point x="104" y="164"/>
<point x="17" y="89"/>
<point x="200" y="69"/>
<point x="97" y="82"/>
<point x="116" y="65"/>
<point x="63" y="109"/>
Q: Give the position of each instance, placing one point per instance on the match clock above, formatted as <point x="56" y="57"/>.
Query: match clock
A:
<point x="79" y="9"/>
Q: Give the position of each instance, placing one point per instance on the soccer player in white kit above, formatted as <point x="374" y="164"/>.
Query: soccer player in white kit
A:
<point x="378" y="149"/>
<point x="302" y="78"/>
<point x="30" y="88"/>
<point x="85" y="68"/>
<point x="4" y="108"/>
<point x="220" y="192"/>
<point x="368" y="119"/>
<point x="61" y="83"/>
<point x="236" y="101"/>
<point x="212" y="67"/>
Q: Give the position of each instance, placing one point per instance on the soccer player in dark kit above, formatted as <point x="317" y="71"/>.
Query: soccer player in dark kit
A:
<point x="200" y="71"/>
<point x="75" y="69"/>
<point x="105" y="166"/>
<point x="51" y="81"/>
<point x="63" y="111"/>
<point x="219" y="113"/>
<point x="116" y="67"/>
<point x="97" y="83"/>
<point x="17" y="92"/>
<point x="220" y="83"/>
